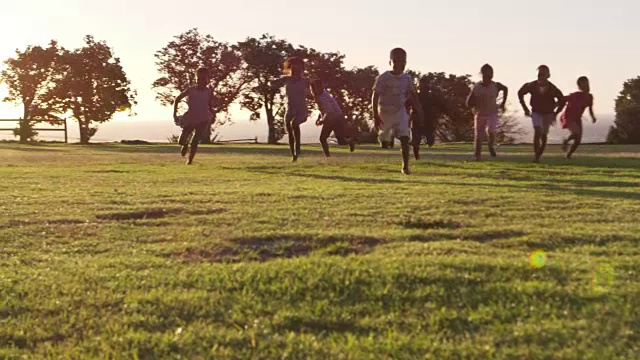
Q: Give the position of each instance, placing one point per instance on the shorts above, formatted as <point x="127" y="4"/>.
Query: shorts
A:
<point x="486" y="123"/>
<point x="574" y="126"/>
<point x="394" y="124"/>
<point x="295" y="117"/>
<point x="543" y="121"/>
<point x="187" y="129"/>
<point x="337" y="124"/>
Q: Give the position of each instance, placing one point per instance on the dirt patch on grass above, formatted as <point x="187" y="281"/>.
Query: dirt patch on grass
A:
<point x="476" y="236"/>
<point x="135" y="215"/>
<point x="430" y="224"/>
<point x="266" y="248"/>
<point x="108" y="171"/>
<point x="151" y="214"/>
<point x="46" y="222"/>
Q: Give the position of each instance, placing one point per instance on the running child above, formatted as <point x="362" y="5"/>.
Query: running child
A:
<point x="483" y="99"/>
<point x="547" y="102"/>
<point x="571" y="119"/>
<point x="296" y="86"/>
<point x="331" y="119"/>
<point x="199" y="115"/>
<point x="391" y="91"/>
<point x="427" y="128"/>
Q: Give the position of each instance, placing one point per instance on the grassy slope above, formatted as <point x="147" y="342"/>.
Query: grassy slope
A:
<point x="245" y="255"/>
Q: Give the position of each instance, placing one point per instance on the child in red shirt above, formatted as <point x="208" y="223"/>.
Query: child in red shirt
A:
<point x="571" y="119"/>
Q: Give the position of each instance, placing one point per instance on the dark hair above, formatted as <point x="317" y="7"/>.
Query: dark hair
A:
<point x="293" y="60"/>
<point x="581" y="79"/>
<point x="398" y="52"/>
<point x="543" y="67"/>
<point x="486" y="67"/>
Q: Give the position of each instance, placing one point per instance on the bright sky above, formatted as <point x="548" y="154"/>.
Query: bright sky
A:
<point x="587" y="37"/>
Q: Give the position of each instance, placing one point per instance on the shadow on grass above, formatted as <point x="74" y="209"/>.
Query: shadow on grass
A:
<point x="477" y="236"/>
<point x="265" y="170"/>
<point x="271" y="247"/>
<point x="34" y="148"/>
<point x="571" y="241"/>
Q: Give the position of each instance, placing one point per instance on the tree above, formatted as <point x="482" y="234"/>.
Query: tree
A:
<point x="263" y="58"/>
<point x="357" y="93"/>
<point x="29" y="76"/>
<point x="178" y="61"/>
<point x="92" y="88"/>
<point x="448" y="94"/>
<point x="626" y="128"/>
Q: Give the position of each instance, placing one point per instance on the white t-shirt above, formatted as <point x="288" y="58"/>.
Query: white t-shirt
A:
<point x="394" y="90"/>
<point x="486" y="98"/>
<point x="328" y="104"/>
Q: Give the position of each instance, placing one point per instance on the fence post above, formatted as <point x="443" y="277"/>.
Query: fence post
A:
<point x="66" y="138"/>
<point x="256" y="139"/>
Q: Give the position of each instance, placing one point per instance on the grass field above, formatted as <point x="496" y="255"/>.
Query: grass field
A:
<point x="117" y="252"/>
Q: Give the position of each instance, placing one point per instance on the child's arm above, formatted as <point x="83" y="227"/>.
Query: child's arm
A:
<point x="561" y="101"/>
<point x="375" y="100"/>
<point x="177" y="102"/>
<point x="505" y="95"/>
<point x="278" y="83"/>
<point x="471" y="100"/>
<point x="212" y="101"/>
<point x="593" y="116"/>
<point x="524" y="90"/>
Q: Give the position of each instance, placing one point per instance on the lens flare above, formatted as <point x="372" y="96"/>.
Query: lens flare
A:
<point x="603" y="278"/>
<point x="538" y="259"/>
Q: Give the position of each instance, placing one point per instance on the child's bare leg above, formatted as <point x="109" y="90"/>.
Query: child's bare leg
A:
<point x="292" y="140"/>
<point x="537" y="135"/>
<point x="478" y="144"/>
<point x="577" y="139"/>
<point x="184" y="140"/>
<point x="416" y="136"/>
<point x="199" y="133"/>
<point x="543" y="143"/>
<point x="492" y="143"/>
<point x="324" y="135"/>
<point x="296" y="132"/>
<point x="404" y="142"/>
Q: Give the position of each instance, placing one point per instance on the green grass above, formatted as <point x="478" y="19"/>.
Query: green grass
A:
<point x="120" y="252"/>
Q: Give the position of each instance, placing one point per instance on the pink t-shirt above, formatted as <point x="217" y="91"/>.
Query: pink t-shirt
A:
<point x="577" y="103"/>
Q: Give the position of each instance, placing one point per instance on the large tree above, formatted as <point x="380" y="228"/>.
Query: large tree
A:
<point x="626" y="128"/>
<point x="93" y="87"/>
<point x="178" y="61"/>
<point x="357" y="93"/>
<point x="29" y="76"/>
<point x="263" y="58"/>
<point x="448" y="92"/>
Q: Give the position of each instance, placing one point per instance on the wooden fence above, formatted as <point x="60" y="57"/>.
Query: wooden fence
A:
<point x="62" y="123"/>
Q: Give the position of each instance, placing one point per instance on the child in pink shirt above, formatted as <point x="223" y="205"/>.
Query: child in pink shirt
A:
<point x="571" y="119"/>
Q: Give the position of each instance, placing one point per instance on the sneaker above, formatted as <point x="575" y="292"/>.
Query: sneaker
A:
<point x="406" y="171"/>
<point x="493" y="152"/>
<point x="352" y="147"/>
<point x="294" y="158"/>
<point x="185" y="150"/>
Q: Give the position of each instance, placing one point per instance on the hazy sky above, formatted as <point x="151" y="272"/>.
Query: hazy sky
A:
<point x="587" y="37"/>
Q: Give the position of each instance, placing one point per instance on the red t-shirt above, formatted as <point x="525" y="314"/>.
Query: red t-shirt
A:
<point x="577" y="103"/>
